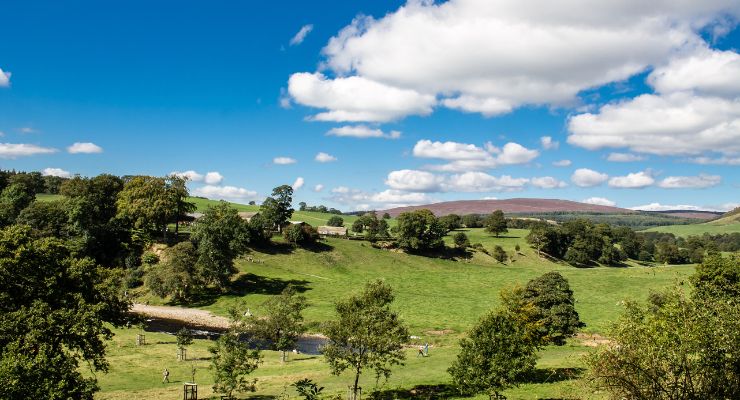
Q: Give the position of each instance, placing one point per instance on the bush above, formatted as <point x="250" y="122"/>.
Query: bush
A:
<point x="461" y="240"/>
<point x="301" y="235"/>
<point x="499" y="254"/>
<point x="149" y="258"/>
<point x="335" y="221"/>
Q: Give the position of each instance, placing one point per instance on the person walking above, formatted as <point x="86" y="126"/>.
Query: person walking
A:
<point x="165" y="376"/>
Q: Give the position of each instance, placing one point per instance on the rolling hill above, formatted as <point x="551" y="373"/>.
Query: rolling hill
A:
<point x="511" y="206"/>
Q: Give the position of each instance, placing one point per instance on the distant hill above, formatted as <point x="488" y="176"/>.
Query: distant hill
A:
<point x="704" y="215"/>
<point x="730" y="217"/>
<point x="510" y="206"/>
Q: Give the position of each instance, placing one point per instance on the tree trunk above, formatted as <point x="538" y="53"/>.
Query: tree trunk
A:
<point x="354" y="388"/>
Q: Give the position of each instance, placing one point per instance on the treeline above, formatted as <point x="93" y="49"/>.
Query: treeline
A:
<point x="302" y="206"/>
<point x="34" y="182"/>
<point x="582" y="242"/>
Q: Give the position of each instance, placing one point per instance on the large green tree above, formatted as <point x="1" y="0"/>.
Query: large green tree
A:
<point x="419" y="230"/>
<point x="495" y="223"/>
<point x="55" y="312"/>
<point x="13" y="199"/>
<point x="278" y="209"/>
<point x="366" y="334"/>
<point x="177" y="274"/>
<point x="232" y="362"/>
<point x="150" y="203"/>
<point x="220" y="236"/>
<point x="497" y="354"/>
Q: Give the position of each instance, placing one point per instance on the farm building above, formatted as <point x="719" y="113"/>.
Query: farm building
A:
<point x="248" y="215"/>
<point x="332" y="230"/>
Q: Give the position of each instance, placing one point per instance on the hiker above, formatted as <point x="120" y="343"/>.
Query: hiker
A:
<point x="426" y="349"/>
<point x="165" y="376"/>
<point x="421" y="352"/>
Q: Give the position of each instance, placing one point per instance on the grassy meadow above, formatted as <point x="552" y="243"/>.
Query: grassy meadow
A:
<point x="698" y="229"/>
<point x="439" y="298"/>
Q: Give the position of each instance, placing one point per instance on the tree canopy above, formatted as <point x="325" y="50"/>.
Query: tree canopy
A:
<point x="419" y="230"/>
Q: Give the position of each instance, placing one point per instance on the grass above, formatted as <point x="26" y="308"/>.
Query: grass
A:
<point x="48" y="197"/>
<point x="697" y="229"/>
<point x="310" y="217"/>
<point x="439" y="299"/>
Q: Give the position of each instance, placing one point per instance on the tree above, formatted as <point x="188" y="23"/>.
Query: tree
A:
<point x="277" y="209"/>
<point x="386" y="216"/>
<point x="177" y="275"/>
<point x="461" y="240"/>
<point x="147" y="204"/>
<point x="419" y="230"/>
<point x="308" y="389"/>
<point x="451" y="222"/>
<point x="220" y="236"/>
<point x="496" y="223"/>
<point x="718" y="277"/>
<point x="371" y="226"/>
<point x="472" y="221"/>
<point x="301" y="234"/>
<point x="672" y="348"/>
<point x="335" y="220"/>
<point x="13" y="199"/>
<point x="499" y="254"/>
<point x="366" y="334"/>
<point x="178" y="192"/>
<point x="232" y="362"/>
<point x="302" y="206"/>
<point x="281" y="321"/>
<point x="56" y="313"/>
<point x="357" y="226"/>
<point x="184" y="339"/>
<point x="495" y="355"/>
<point x="547" y="307"/>
<point x="47" y="219"/>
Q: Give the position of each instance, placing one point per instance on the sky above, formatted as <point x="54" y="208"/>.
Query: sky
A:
<point x="375" y="104"/>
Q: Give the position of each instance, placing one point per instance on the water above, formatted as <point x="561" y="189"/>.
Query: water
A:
<point x="310" y="345"/>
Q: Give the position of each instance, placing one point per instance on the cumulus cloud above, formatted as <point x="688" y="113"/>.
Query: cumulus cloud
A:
<point x="213" y="178"/>
<point x="585" y="177"/>
<point x="635" y="180"/>
<point x="190" y="175"/>
<point x="562" y="163"/>
<point x="318" y="188"/>
<point x="15" y="150"/>
<point x="225" y="193"/>
<point x="668" y="207"/>
<point x="493" y="56"/>
<point x="4" y="78"/>
<point x="690" y="182"/>
<point x="301" y="35"/>
<point x="624" y="157"/>
<point x="283" y="160"/>
<point x="599" y="201"/>
<point x="548" y="144"/>
<point x="547" y="182"/>
<point x="704" y="71"/>
<point x="356" y="99"/>
<point x="362" y="132"/>
<point x="715" y="161"/>
<point x="465" y="157"/>
<point x="413" y="180"/>
<point x="362" y="200"/>
<point x="84" y="148"/>
<point x="56" y="172"/>
<point x="324" y="157"/>
<point x="298" y="183"/>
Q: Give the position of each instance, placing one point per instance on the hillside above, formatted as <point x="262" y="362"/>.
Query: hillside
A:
<point x="730" y="217"/>
<point x="510" y="206"/>
<point x="310" y="217"/>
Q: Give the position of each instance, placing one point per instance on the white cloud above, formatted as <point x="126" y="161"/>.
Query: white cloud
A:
<point x="4" y="78"/>
<point x="298" y="183"/>
<point x="324" y="157"/>
<point x="15" y="150"/>
<point x="562" y="163"/>
<point x="318" y="188"/>
<point x="715" y="161"/>
<point x="362" y="132"/>
<point x="413" y="180"/>
<point x="482" y="182"/>
<point x="213" y="178"/>
<point x="84" y="148"/>
<point x="356" y="99"/>
<point x="704" y="71"/>
<point x="56" y="172"/>
<point x="635" y="180"/>
<point x="492" y="56"/>
<point x="599" y="201"/>
<point x="283" y="160"/>
<point x="548" y="144"/>
<point x="669" y="207"/>
<point x="585" y="177"/>
<point x="190" y="175"/>
<point x="449" y="150"/>
<point x="548" y="182"/>
<point x="469" y="157"/>
<point x="225" y="193"/>
<point x="624" y="157"/>
<point x="361" y="200"/>
<point x="27" y="129"/>
<point x="694" y="182"/>
<point x="301" y="35"/>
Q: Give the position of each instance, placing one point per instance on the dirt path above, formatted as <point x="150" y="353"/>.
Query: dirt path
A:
<point x="190" y="316"/>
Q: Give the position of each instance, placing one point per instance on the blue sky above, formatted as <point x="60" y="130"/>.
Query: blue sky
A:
<point x="470" y="87"/>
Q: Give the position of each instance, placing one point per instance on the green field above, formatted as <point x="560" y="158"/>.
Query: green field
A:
<point x="697" y="229"/>
<point x="438" y="298"/>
